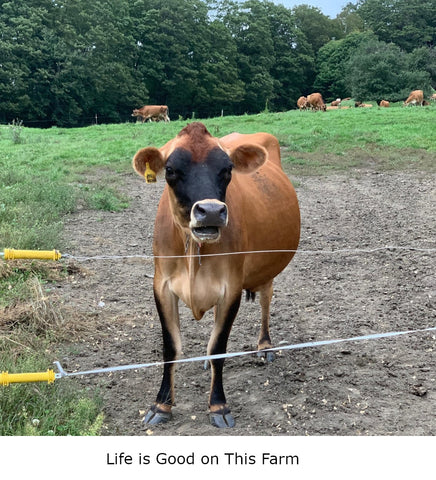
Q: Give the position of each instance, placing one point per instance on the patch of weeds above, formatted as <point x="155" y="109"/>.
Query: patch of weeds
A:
<point x="105" y="198"/>
<point x="39" y="409"/>
<point x="28" y="333"/>
<point x="16" y="129"/>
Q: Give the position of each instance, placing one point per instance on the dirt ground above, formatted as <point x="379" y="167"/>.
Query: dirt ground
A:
<point x="374" y="387"/>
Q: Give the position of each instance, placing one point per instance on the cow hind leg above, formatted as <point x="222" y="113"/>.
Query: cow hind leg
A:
<point x="264" y="340"/>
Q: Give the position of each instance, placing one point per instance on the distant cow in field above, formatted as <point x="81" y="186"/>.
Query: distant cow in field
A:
<point x="415" y="98"/>
<point x="316" y="102"/>
<point x="384" y="103"/>
<point x="302" y="103"/>
<point x="222" y="196"/>
<point x="336" y="102"/>
<point x="362" y="105"/>
<point x="433" y="97"/>
<point x="152" y="113"/>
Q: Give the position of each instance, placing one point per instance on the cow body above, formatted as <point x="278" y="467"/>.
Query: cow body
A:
<point x="222" y="196"/>
<point x="415" y="98"/>
<point x="152" y="113"/>
<point x="384" y="103"/>
<point x="316" y="102"/>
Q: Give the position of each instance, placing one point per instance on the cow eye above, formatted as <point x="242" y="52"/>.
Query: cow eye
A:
<point x="172" y="175"/>
<point x="169" y="172"/>
<point x="226" y="173"/>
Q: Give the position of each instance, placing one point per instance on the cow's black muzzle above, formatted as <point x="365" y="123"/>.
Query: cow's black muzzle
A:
<point x="207" y="219"/>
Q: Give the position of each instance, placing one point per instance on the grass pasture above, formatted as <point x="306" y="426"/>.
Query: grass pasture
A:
<point x="46" y="174"/>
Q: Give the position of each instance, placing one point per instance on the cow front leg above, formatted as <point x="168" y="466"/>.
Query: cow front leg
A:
<point x="167" y="306"/>
<point x="225" y="314"/>
<point x="264" y="341"/>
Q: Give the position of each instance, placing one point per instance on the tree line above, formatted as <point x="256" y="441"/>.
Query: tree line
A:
<point x="65" y="61"/>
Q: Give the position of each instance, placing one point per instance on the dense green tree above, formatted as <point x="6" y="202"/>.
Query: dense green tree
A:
<point x="407" y="23"/>
<point x="249" y="27"/>
<point x="318" y="30"/>
<point x="219" y="87"/>
<point x="63" y="62"/>
<point x="24" y="58"/>
<point x="294" y="64"/>
<point x="333" y="59"/>
<point x="424" y="59"/>
<point x="317" y="27"/>
<point x="186" y="60"/>
<point x="349" y="19"/>
<point x="378" y="70"/>
<point x="101" y="45"/>
<point x="274" y="59"/>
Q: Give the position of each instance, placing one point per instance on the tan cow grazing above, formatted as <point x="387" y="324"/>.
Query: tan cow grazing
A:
<point x="433" y="97"/>
<point x="222" y="196"/>
<point x="416" y="97"/>
<point x="384" y="103"/>
<point x="302" y="103"/>
<point x="315" y="102"/>
<point x="152" y="113"/>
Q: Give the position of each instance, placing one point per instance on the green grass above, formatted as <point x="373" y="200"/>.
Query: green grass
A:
<point x="41" y="409"/>
<point x="60" y="408"/>
<point x="46" y="174"/>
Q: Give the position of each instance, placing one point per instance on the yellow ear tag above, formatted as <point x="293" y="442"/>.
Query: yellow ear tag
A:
<point x="149" y="174"/>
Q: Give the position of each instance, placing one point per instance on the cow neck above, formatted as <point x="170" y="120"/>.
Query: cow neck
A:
<point x="192" y="250"/>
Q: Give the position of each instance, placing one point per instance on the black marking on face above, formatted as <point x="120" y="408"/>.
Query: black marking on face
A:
<point x="194" y="181"/>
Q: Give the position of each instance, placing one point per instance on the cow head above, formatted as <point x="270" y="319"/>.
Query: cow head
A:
<point x="198" y="171"/>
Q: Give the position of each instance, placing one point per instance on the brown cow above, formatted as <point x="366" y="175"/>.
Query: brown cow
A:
<point x="416" y="97"/>
<point x="302" y="103"/>
<point x="152" y="113"/>
<point x="336" y="102"/>
<point x="221" y="196"/>
<point x="433" y="97"/>
<point x="384" y="103"/>
<point x="315" y="101"/>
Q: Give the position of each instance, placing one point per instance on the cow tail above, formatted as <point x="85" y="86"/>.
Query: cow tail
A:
<point x="249" y="295"/>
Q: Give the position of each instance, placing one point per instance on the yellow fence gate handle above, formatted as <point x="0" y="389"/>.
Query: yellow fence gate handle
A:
<point x="12" y="254"/>
<point x="8" y="378"/>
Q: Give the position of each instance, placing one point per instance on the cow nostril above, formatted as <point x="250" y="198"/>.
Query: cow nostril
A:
<point x="200" y="213"/>
<point x="223" y="214"/>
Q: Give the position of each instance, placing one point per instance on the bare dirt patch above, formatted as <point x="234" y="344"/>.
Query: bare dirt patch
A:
<point x="379" y="387"/>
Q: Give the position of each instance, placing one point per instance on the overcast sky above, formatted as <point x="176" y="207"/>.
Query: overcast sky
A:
<point x="327" y="7"/>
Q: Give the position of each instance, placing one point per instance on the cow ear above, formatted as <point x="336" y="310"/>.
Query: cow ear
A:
<point x="248" y="158"/>
<point x="148" y="162"/>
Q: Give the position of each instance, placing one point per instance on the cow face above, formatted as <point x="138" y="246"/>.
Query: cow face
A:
<point x="198" y="171"/>
<point x="198" y="191"/>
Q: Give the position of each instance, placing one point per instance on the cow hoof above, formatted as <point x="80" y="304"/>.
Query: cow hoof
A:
<point x="268" y="356"/>
<point x="155" y="416"/>
<point x="222" y="419"/>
